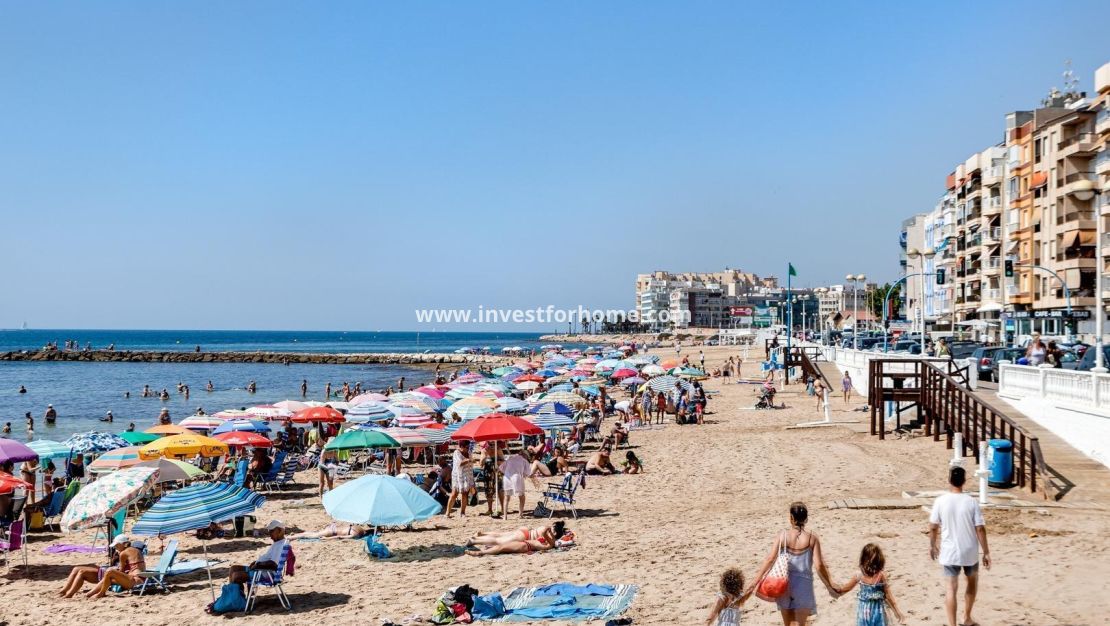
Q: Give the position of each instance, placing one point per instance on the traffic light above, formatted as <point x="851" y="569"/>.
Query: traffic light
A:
<point x="940" y="276"/>
<point x="1009" y="268"/>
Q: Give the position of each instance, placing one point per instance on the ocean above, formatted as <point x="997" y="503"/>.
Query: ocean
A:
<point x="83" y="392"/>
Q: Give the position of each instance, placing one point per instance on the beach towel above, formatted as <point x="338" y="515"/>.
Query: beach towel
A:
<point x="566" y="601"/>
<point x="65" y="548"/>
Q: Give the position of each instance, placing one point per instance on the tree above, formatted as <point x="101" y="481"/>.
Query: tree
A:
<point x="875" y="301"/>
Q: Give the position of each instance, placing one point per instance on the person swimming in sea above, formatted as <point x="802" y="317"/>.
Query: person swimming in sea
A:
<point x="108" y="417"/>
<point x="209" y="388"/>
<point x="22" y="389"/>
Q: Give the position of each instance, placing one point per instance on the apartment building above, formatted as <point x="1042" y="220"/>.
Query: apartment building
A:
<point x="1100" y="105"/>
<point x="666" y="300"/>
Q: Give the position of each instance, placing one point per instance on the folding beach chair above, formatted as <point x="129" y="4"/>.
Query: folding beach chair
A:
<point x="168" y="567"/>
<point x="285" y="475"/>
<point x="54" y="508"/>
<point x="270" y="578"/>
<point x="240" y="477"/>
<point x="16" y="539"/>
<point x="275" y="469"/>
<point x="562" y="494"/>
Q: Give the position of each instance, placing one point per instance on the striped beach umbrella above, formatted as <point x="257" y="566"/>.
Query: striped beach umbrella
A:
<point x="472" y="407"/>
<point x="552" y="422"/>
<point x="550" y="408"/>
<point x="101" y="499"/>
<point x="269" y="412"/>
<point x="667" y="384"/>
<point x="201" y="422"/>
<point x="511" y="405"/>
<point x="528" y="385"/>
<point x="195" y="507"/>
<point x="295" y="405"/>
<point x="408" y="438"/>
<point x="419" y="401"/>
<point x="363" y="398"/>
<point x="369" y="411"/>
<point x="436" y="436"/>
<point x="565" y="397"/>
<point x="117" y="459"/>
<point x="433" y="391"/>
<point x="47" y="449"/>
<point x="232" y="414"/>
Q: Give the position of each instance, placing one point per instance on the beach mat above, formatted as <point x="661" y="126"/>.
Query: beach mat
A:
<point x="567" y="602"/>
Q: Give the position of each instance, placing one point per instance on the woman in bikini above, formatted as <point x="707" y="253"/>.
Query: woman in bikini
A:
<point x="543" y="534"/>
<point x="131" y="562"/>
<point x="334" y="531"/>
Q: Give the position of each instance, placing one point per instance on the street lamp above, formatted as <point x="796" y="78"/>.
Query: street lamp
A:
<point x="821" y="291"/>
<point x="1085" y="190"/>
<point x="855" y="279"/>
<point x="928" y="253"/>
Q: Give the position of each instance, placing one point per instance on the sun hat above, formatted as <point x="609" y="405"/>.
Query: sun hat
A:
<point x="274" y="525"/>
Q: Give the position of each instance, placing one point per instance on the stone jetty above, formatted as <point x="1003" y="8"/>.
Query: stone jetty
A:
<point x="316" y="358"/>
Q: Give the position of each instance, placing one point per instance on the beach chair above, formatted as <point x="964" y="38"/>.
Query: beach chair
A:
<point x="268" y="578"/>
<point x="562" y="494"/>
<point x="168" y="567"/>
<point x="275" y="469"/>
<point x="285" y="476"/>
<point x="18" y="505"/>
<point x="240" y="477"/>
<point x="16" y="539"/>
<point x="54" y="508"/>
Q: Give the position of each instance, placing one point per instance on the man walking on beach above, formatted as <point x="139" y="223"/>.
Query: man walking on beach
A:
<point x="956" y="531"/>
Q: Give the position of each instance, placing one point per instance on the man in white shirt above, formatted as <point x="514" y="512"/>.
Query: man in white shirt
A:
<point x="268" y="560"/>
<point x="956" y="531"/>
<point x="514" y="470"/>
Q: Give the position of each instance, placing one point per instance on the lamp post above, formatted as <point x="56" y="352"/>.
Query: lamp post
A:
<point x="924" y="255"/>
<point x="821" y="291"/>
<point x="855" y="279"/>
<point x="1084" y="191"/>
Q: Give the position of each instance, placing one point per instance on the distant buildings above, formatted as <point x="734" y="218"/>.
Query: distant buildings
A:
<point x="1026" y="200"/>
<point x="668" y="301"/>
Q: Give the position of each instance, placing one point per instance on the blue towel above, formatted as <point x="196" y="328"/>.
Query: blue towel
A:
<point x="567" y="602"/>
<point x="567" y="589"/>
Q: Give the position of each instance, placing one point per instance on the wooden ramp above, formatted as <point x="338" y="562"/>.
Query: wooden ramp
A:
<point x="1075" y="476"/>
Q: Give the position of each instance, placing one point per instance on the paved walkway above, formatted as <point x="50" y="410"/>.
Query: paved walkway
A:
<point x="1078" y="478"/>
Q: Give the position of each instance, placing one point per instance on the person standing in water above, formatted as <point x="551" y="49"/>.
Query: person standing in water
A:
<point x="51" y="415"/>
<point x="304" y="388"/>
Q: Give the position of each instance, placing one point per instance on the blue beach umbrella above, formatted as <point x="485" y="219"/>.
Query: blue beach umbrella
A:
<point x="378" y="500"/>
<point x="551" y="408"/>
<point x="249" y="426"/>
<point x="94" y="442"/>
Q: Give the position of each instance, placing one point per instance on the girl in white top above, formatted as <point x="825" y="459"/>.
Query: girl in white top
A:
<point x="726" y="611"/>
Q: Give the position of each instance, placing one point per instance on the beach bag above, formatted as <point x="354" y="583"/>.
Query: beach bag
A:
<point x="376" y="548"/>
<point x="231" y="599"/>
<point x="775" y="583"/>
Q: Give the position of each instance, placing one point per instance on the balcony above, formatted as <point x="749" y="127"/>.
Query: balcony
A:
<point x="1102" y="162"/>
<point x="1079" y="143"/>
<point x="994" y="263"/>
<point x="994" y="294"/>
<point x="992" y="206"/>
<point x="1083" y="220"/>
<point x="1102" y="122"/>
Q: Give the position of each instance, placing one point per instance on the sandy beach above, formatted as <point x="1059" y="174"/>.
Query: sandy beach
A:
<point x="712" y="496"/>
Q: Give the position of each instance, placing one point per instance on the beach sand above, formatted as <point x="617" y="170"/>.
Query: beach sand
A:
<point x="713" y="496"/>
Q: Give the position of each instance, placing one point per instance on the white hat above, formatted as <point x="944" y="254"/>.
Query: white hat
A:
<point x="275" y="524"/>
<point x="120" y="539"/>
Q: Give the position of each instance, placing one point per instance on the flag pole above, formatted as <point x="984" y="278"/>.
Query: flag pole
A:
<point x="789" y="326"/>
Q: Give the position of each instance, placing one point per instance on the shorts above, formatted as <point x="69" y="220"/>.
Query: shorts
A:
<point x="951" y="571"/>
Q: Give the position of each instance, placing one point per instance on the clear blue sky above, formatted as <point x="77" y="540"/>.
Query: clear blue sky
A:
<point x="333" y="166"/>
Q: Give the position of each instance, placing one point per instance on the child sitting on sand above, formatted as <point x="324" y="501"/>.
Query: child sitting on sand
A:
<point x="726" y="612"/>
<point x="874" y="590"/>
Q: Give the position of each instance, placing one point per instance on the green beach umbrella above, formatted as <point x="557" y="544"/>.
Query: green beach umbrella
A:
<point x="359" y="439"/>
<point x="138" y="439"/>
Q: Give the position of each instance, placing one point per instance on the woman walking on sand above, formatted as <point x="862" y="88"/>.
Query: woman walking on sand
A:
<point x="804" y="550"/>
<point x="846" y="383"/>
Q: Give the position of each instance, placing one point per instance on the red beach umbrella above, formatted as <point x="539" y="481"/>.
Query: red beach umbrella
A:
<point x="496" y="427"/>
<point x="529" y="378"/>
<point x="9" y="482"/>
<point x="624" y="372"/>
<point x="318" y="414"/>
<point x="244" y="438"/>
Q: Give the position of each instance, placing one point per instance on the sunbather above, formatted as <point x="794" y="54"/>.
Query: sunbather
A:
<point x="335" y="531"/>
<point x="600" y="463"/>
<point x="547" y="534"/>
<point x="124" y="574"/>
<point x="513" y="547"/>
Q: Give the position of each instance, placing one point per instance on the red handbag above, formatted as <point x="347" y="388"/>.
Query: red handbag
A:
<point x="774" y="585"/>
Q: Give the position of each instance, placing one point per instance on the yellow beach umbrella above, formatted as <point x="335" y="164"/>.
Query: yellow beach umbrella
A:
<point x="167" y="429"/>
<point x="183" y="445"/>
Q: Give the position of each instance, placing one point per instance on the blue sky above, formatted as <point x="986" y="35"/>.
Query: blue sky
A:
<point x="311" y="166"/>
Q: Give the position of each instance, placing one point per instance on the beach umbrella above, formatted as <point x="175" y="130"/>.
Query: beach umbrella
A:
<point x="242" y="425"/>
<point x="195" y="507"/>
<point x="643" y="359"/>
<point x="183" y="445"/>
<point x="166" y="429"/>
<point x="462" y="392"/>
<point x="361" y="438"/>
<point x="547" y="373"/>
<point x="369" y="411"/>
<point x="501" y="371"/>
<point x="622" y="373"/>
<point x="668" y="364"/>
<point x="689" y="372"/>
<point x="589" y="390"/>
<point x="432" y="391"/>
<point x="9" y="483"/>
<point x="172" y="470"/>
<point x="232" y="414"/>
<point x="652" y="370"/>
<point x="378" y="500"/>
<point x="246" y="438"/>
<point x="410" y="421"/>
<point x="567" y="398"/>
<point x="201" y="422"/>
<point x="436" y="436"/>
<point x="472" y="408"/>
<point x="117" y="459"/>
<point x="496" y="427"/>
<point x="137" y="439"/>
<point x="338" y="406"/>
<point x="363" y="398"/>
<point x="529" y="378"/>
<point x="418" y="401"/>
<point x="324" y="414"/>
<point x="551" y="421"/>
<point x="268" y="412"/>
<point x="633" y="381"/>
<point x="511" y="405"/>
<point x="93" y="442"/>
<point x="667" y="384"/>
<point x="101" y="499"/>
<point x="294" y="405"/>
<point x="550" y="408"/>
<point x="528" y="385"/>
<point x="407" y="437"/>
<point x="47" y="449"/>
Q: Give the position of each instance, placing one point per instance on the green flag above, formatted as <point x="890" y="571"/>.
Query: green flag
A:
<point x="791" y="272"/>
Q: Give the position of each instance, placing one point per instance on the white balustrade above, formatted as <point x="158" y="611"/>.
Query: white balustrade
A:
<point x="1087" y="391"/>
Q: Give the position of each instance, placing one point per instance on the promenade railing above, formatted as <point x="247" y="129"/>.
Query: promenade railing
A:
<point x="1084" y="391"/>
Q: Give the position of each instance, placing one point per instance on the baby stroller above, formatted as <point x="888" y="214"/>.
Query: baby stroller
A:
<point x="766" y="398"/>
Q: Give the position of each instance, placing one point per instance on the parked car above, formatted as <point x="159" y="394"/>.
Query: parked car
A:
<point x="983" y="358"/>
<point x="1088" y="360"/>
<point x="963" y="349"/>
<point x="1004" y="355"/>
<point x="906" y="346"/>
